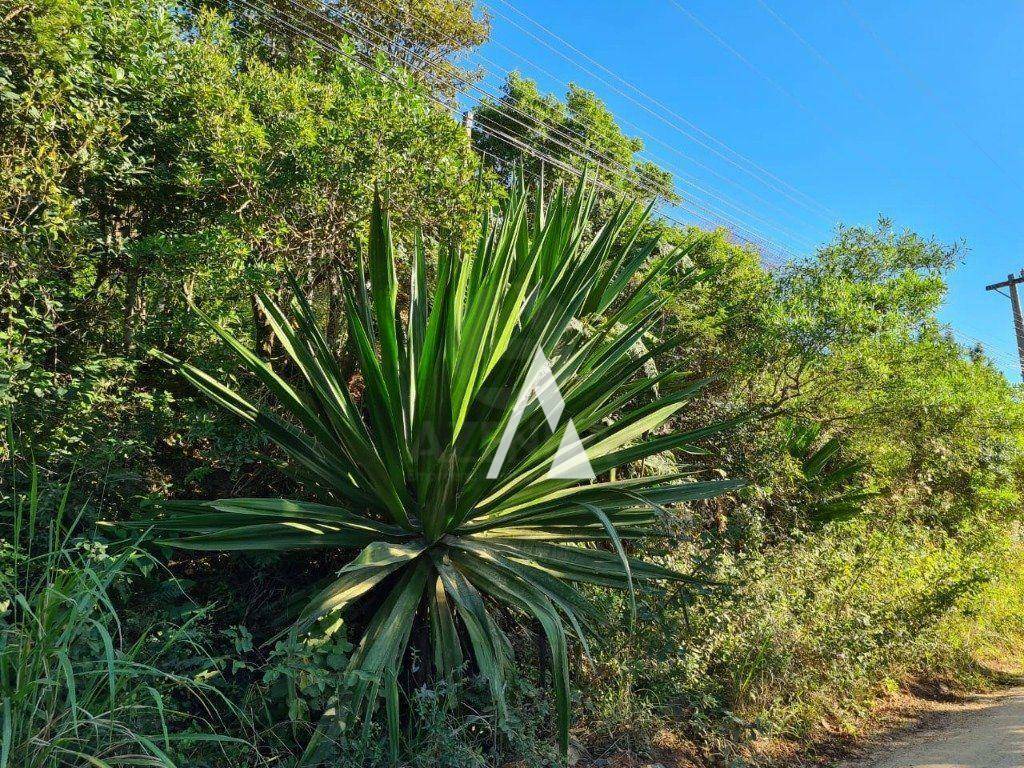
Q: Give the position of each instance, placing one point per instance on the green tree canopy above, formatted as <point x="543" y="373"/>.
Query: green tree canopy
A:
<point x="148" y="154"/>
<point x="578" y="133"/>
<point x="424" y="38"/>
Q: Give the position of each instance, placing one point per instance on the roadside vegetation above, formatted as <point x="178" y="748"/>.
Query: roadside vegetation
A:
<point x="262" y="309"/>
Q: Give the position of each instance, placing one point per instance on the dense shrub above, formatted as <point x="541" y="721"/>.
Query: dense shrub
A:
<point x="812" y="632"/>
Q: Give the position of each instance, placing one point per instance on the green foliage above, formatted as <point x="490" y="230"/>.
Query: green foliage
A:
<point x="420" y="37"/>
<point x="723" y="318"/>
<point x="570" y="134"/>
<point x="943" y="432"/>
<point x="149" y="154"/>
<point x="848" y="340"/>
<point x="833" y="315"/>
<point x="73" y="689"/>
<point x="814" y="631"/>
<point x="866" y="283"/>
<point x="404" y="473"/>
<point x="831" y="487"/>
<point x="824" y="618"/>
<point x="154" y="155"/>
<point x="304" y="673"/>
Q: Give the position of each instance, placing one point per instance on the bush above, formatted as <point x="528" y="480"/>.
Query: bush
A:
<point x="812" y="632"/>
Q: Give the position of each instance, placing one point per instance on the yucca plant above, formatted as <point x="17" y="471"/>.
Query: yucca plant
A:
<point x="834" y="487"/>
<point x="406" y="471"/>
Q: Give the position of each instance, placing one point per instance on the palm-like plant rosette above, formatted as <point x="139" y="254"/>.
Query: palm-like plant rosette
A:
<point x="402" y="474"/>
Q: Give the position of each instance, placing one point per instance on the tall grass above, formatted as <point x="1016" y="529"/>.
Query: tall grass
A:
<point x="73" y="690"/>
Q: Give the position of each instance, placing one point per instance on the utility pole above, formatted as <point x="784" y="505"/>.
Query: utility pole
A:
<point x="1011" y="282"/>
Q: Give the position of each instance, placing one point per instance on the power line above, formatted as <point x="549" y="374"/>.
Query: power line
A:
<point x="751" y="237"/>
<point x="318" y="37"/>
<point x="821" y="57"/>
<point x="678" y="173"/>
<point x="859" y="95"/>
<point x="750" y="65"/>
<point x="646" y="153"/>
<point x="996" y="353"/>
<point x="694" y="132"/>
<point x="579" y="138"/>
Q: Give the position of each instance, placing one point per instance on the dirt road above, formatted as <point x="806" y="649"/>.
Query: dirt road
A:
<point x="986" y="732"/>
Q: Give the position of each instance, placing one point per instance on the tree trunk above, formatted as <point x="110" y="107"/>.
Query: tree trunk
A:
<point x="262" y="334"/>
<point x="334" y="305"/>
<point x="131" y="308"/>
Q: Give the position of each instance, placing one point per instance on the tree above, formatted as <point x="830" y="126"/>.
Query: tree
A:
<point x="147" y="156"/>
<point x="867" y="287"/>
<point x="579" y="133"/>
<point x="424" y="38"/>
<point x="297" y="151"/>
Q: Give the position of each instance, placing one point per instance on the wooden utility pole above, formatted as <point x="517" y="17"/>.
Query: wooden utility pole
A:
<point x="1011" y="282"/>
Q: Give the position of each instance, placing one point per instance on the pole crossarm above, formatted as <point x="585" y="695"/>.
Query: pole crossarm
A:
<point x="1014" y="280"/>
<point x="1011" y="282"/>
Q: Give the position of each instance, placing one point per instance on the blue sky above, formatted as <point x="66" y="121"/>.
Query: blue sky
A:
<point x="841" y="110"/>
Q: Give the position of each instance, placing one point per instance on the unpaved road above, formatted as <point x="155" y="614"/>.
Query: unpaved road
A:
<point x="986" y="732"/>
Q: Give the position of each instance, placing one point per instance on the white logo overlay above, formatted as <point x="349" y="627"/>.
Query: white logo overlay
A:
<point x="570" y="462"/>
